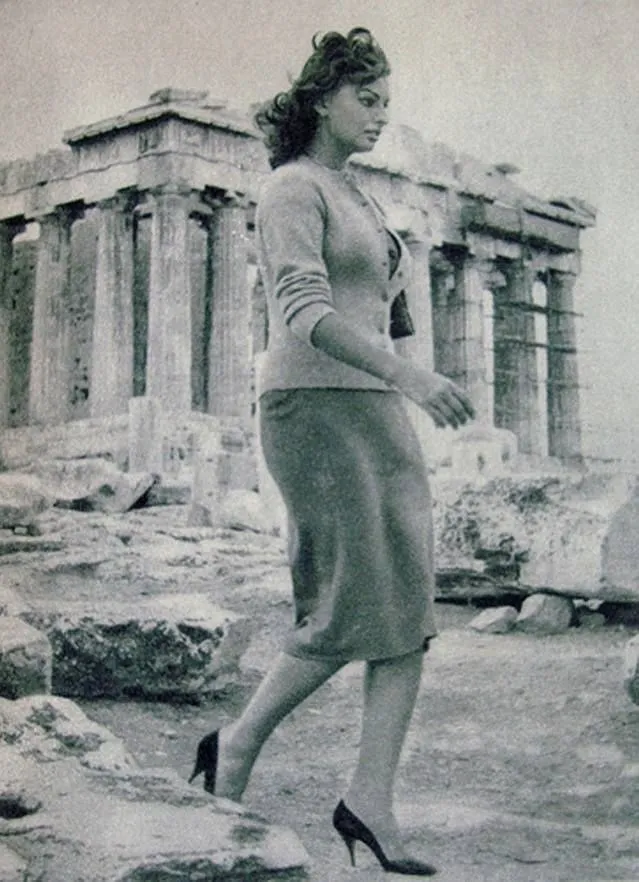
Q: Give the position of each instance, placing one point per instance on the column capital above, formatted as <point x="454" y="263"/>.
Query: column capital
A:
<point x="123" y="201"/>
<point x="217" y="197"/>
<point x="9" y="229"/>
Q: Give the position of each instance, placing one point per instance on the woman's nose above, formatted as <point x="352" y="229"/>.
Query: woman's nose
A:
<point x="382" y="116"/>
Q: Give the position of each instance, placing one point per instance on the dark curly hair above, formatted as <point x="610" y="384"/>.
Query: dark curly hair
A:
<point x="289" y="120"/>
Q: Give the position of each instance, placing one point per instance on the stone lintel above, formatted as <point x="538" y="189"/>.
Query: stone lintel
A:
<point x="515" y="223"/>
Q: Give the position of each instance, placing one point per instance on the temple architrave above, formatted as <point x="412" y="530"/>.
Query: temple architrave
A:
<point x="127" y="270"/>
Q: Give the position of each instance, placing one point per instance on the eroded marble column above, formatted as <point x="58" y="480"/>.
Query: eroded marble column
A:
<point x="419" y="348"/>
<point x="230" y="345"/>
<point x="564" y="425"/>
<point x="6" y="258"/>
<point x="467" y="345"/>
<point x="516" y="372"/>
<point x="51" y="339"/>
<point x="168" y="370"/>
<point x="112" y="345"/>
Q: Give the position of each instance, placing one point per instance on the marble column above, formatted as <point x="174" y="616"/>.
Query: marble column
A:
<point x="468" y="355"/>
<point x="49" y="379"/>
<point x="564" y="426"/>
<point x="7" y="233"/>
<point x="442" y="283"/>
<point x="168" y="369"/>
<point x="419" y="348"/>
<point x="230" y="345"/>
<point x="516" y="373"/>
<point x="112" y="345"/>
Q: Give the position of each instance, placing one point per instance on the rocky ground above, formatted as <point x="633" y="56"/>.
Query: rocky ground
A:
<point x="522" y="761"/>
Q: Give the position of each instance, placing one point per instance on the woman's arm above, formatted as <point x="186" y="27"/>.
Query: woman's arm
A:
<point x="446" y="403"/>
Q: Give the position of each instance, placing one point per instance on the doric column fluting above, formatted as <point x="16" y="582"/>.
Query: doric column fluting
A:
<point x="468" y="352"/>
<point x="49" y="378"/>
<point x="230" y="345"/>
<point x="112" y="343"/>
<point x="516" y="372"/>
<point x="6" y="258"/>
<point x="168" y="369"/>
<point x="419" y="348"/>
<point x="564" y="426"/>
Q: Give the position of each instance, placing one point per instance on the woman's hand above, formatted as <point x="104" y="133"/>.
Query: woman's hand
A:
<point x="446" y="402"/>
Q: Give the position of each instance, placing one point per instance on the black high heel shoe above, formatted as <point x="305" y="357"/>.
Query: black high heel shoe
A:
<point x="351" y="829"/>
<point x="206" y="760"/>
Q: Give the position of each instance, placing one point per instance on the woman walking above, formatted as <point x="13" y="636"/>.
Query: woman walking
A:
<point x="338" y="441"/>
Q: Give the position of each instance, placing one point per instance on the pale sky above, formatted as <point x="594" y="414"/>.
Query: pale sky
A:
<point x="549" y="85"/>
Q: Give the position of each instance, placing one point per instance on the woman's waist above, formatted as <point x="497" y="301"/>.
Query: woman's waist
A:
<point x="291" y="367"/>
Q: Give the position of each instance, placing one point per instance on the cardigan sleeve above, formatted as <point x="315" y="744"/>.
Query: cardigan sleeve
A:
<point x="290" y="224"/>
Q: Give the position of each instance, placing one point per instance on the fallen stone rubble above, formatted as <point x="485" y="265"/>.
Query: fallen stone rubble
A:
<point x="75" y="806"/>
<point x="517" y="544"/>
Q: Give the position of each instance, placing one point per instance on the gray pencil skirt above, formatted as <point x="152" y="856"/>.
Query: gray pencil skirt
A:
<point x="350" y="470"/>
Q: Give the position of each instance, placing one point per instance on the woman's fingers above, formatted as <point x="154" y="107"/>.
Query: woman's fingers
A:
<point x="451" y="407"/>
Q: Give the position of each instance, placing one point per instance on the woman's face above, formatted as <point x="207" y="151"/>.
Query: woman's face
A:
<point x="354" y="115"/>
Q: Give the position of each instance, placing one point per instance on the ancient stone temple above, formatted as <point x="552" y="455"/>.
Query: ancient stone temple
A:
<point x="127" y="270"/>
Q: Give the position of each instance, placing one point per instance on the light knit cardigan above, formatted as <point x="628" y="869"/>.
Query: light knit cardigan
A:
<point x="323" y="247"/>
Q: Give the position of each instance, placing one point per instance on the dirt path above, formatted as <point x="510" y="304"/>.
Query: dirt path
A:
<point x="522" y="761"/>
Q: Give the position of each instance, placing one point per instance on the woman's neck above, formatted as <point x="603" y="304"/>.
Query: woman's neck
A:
<point x="328" y="153"/>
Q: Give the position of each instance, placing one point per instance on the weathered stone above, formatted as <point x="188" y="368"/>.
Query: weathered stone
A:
<point x="11" y="603"/>
<point x="92" y="484"/>
<point x="242" y="510"/>
<point x="620" y="550"/>
<point x="631" y="668"/>
<point x="589" y="618"/>
<point x="498" y="620"/>
<point x="483" y="451"/>
<point x="18" y="544"/>
<point x="13" y="868"/>
<point x="25" y="659"/>
<point x="19" y="791"/>
<point x="22" y="499"/>
<point x="45" y="728"/>
<point x="23" y="446"/>
<point x="173" y="646"/>
<point x="538" y="532"/>
<point x="146" y="434"/>
<point x="545" y="614"/>
<point x="100" y="823"/>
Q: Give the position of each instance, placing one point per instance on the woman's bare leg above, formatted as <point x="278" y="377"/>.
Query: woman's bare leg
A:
<point x="390" y="693"/>
<point x="287" y="684"/>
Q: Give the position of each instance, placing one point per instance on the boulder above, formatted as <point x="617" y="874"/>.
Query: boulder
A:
<point x="25" y="659"/>
<point x="91" y="484"/>
<point x="176" y="647"/>
<point x="101" y="821"/>
<point x="631" y="668"/>
<point x="22" y="499"/>
<point x="567" y="533"/>
<point x="545" y="614"/>
<point x="498" y="620"/>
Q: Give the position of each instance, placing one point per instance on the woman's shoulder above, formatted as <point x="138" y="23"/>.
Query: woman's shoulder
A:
<point x="292" y="181"/>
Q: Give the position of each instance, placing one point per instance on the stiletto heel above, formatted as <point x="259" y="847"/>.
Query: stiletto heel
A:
<point x="349" y="842"/>
<point x="206" y="760"/>
<point x="351" y="829"/>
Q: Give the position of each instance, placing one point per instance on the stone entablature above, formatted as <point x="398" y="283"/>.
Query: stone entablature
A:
<point x="144" y="279"/>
